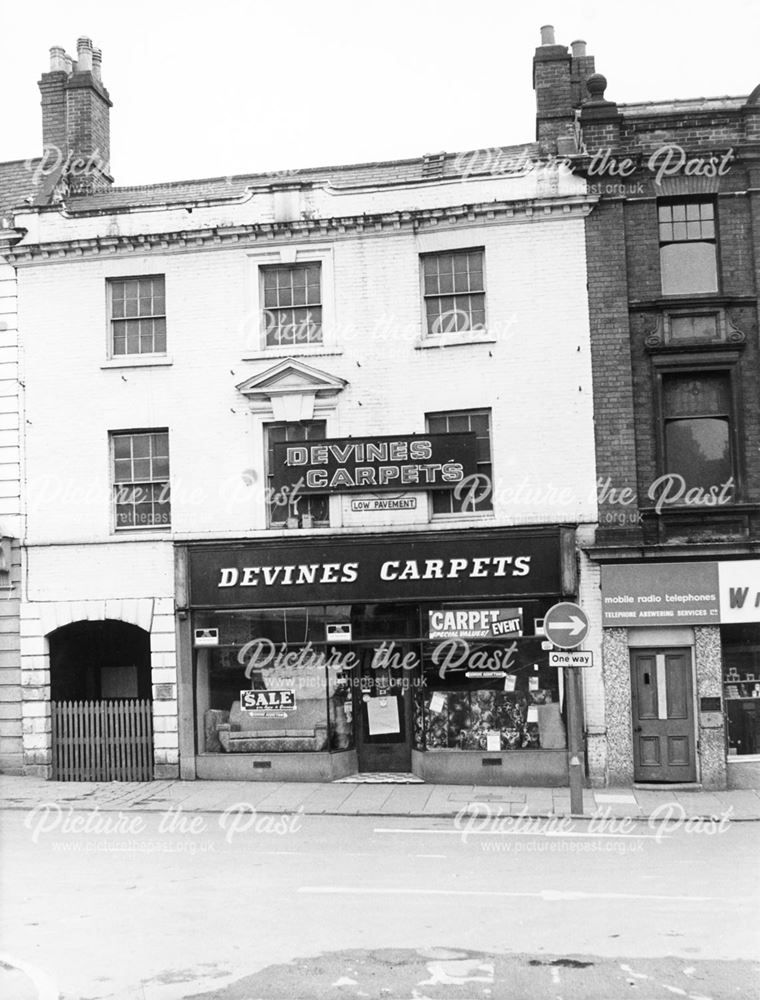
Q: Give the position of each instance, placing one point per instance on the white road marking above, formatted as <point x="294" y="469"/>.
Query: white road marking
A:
<point x="427" y="855"/>
<point x="674" y="989"/>
<point x="523" y="833"/>
<point x="555" y="976"/>
<point x="689" y="971"/>
<point x="636" y="975"/>
<point x="345" y="981"/>
<point x="46" y="988"/>
<point x="549" y="895"/>
<point x="627" y="799"/>
<point x="450" y="972"/>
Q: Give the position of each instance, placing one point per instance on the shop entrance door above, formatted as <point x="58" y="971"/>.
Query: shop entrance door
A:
<point x="663" y="715"/>
<point x="383" y="713"/>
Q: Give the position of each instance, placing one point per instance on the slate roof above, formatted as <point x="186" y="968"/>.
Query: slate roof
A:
<point x="16" y="184"/>
<point x="350" y="176"/>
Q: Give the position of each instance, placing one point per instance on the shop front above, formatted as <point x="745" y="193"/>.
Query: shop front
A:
<point x="682" y="672"/>
<point x="415" y="653"/>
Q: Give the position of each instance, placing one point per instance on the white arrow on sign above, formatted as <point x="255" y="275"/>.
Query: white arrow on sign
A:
<point x="576" y="624"/>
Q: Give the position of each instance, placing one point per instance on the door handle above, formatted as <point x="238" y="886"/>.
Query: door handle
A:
<point x="639" y="729"/>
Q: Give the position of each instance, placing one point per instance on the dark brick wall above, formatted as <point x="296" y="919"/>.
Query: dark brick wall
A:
<point x="52" y="88"/>
<point x="611" y="361"/>
<point x="627" y="306"/>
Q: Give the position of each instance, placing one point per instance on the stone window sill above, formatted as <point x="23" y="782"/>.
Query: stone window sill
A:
<point x="139" y="361"/>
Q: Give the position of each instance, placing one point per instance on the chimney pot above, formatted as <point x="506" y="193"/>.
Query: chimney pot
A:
<point x="84" y="55"/>
<point x="579" y="49"/>
<point x="547" y="34"/>
<point x="57" y="60"/>
<point x="97" y="62"/>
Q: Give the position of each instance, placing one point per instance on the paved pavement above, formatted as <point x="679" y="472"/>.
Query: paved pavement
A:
<point x="338" y="799"/>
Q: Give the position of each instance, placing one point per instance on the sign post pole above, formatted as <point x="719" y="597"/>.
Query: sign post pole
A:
<point x="566" y="625"/>
<point x="574" y="739"/>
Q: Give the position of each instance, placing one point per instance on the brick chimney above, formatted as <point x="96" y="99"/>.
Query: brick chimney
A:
<point x="559" y="80"/>
<point x="75" y="120"/>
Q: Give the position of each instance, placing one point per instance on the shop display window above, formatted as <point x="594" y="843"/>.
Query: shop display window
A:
<point x="459" y="708"/>
<point x="271" y="685"/>
<point x="314" y="679"/>
<point x="741" y="688"/>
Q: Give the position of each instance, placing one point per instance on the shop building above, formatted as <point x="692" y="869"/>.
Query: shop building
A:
<point x="673" y="250"/>
<point x="300" y="488"/>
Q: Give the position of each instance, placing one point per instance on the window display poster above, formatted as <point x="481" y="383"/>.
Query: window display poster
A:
<point x="493" y="740"/>
<point x="474" y="623"/>
<point x="267" y="701"/>
<point x="437" y="702"/>
<point x="382" y="715"/>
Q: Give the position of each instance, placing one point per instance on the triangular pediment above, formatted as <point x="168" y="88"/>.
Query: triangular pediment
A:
<point x="291" y="376"/>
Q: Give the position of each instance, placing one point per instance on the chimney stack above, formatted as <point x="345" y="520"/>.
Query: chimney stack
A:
<point x="559" y="80"/>
<point x="75" y="119"/>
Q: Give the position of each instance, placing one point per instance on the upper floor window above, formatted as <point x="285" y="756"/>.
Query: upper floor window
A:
<point x="697" y="428"/>
<point x="292" y="304"/>
<point x="475" y="494"/>
<point x="453" y="292"/>
<point x="138" y="315"/>
<point x="688" y="258"/>
<point x="141" y="490"/>
<point x="293" y="510"/>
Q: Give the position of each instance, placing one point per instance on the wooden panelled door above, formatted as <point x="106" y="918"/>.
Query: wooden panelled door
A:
<point x="663" y="715"/>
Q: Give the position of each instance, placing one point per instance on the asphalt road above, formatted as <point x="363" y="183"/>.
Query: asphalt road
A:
<point x="140" y="906"/>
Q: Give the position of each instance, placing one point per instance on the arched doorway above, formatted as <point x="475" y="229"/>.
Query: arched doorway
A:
<point x="100" y="684"/>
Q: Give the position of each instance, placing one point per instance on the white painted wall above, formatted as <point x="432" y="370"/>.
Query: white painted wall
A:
<point x="533" y="371"/>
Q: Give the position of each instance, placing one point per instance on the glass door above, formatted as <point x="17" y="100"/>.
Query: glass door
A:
<point x="383" y="712"/>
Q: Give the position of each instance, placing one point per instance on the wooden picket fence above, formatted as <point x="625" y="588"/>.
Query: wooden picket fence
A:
<point x="102" y="740"/>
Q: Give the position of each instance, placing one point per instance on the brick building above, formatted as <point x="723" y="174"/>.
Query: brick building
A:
<point x="673" y="250"/>
<point x="289" y="472"/>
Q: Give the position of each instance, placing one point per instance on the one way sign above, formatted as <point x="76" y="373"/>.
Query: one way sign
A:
<point x="566" y="625"/>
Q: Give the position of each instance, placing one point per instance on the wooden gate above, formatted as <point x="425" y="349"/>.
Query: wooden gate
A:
<point x="102" y="740"/>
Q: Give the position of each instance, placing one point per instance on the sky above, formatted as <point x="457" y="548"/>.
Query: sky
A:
<point x="245" y="86"/>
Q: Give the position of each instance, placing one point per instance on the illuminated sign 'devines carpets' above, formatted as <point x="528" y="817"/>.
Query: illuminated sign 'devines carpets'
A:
<point x="371" y="465"/>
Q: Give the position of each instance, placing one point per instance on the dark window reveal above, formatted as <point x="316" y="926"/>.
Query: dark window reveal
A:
<point x="141" y="480"/>
<point x="697" y="428"/>
<point x="468" y="496"/>
<point x="688" y="260"/>
<point x="454" y="292"/>
<point x="292" y="297"/>
<point x="290" y="509"/>
<point x="138" y="315"/>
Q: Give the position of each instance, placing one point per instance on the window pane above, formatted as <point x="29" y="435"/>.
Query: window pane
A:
<point x="459" y="423"/>
<point x="122" y="470"/>
<point x="690" y="395"/>
<point x="698" y="450"/>
<point x="159" y="343"/>
<point x="141" y="445"/>
<point x="688" y="268"/>
<point x="133" y="337"/>
<point x="122" y="447"/>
